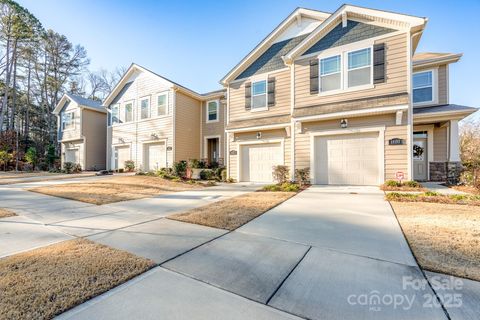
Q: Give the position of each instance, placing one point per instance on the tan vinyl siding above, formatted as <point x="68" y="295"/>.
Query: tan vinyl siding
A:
<point x="138" y="132"/>
<point x="187" y="127"/>
<point x="213" y="128"/>
<point x="396" y="66"/>
<point x="94" y="130"/>
<point x="76" y="132"/>
<point x="282" y="97"/>
<point x="395" y="156"/>
<point x="252" y="136"/>
<point x="440" y="144"/>
<point x="441" y="83"/>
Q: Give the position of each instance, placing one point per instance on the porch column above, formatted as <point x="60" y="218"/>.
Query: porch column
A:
<point x="454" y="149"/>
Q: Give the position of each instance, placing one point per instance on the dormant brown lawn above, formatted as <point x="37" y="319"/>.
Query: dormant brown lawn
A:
<point x="4" y="213"/>
<point x="232" y="213"/>
<point x="116" y="189"/>
<point x="444" y="237"/>
<point x="42" y="283"/>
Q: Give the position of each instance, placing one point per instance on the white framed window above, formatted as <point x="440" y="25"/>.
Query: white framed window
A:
<point x="423" y="87"/>
<point x="331" y="73"/>
<point x="145" y="108"/>
<point x="259" y="95"/>
<point x="162" y="104"/>
<point x="68" y="120"/>
<point x="359" y="67"/>
<point x="128" y="112"/>
<point x="114" y="116"/>
<point x="212" y="111"/>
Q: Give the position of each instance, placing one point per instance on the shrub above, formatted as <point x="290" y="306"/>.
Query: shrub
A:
<point x="284" y="187"/>
<point x="180" y="169"/>
<point x="68" y="167"/>
<point x="165" y="173"/>
<point x="412" y="184"/>
<point x="218" y="173"/>
<point x="77" y="168"/>
<point x="280" y="173"/>
<point x="4" y="158"/>
<point x="392" y="183"/>
<point x="223" y="174"/>
<point x="129" y="165"/>
<point x="431" y="194"/>
<point x="196" y="164"/>
<point x="213" y="165"/>
<point x="120" y="170"/>
<point x="302" y="176"/>
<point x="31" y="156"/>
<point x="176" y="179"/>
<point x="207" y="174"/>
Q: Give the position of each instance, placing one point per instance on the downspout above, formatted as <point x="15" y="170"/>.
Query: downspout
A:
<point x="174" y="111"/>
<point x="227" y="135"/>
<point x="292" y="129"/>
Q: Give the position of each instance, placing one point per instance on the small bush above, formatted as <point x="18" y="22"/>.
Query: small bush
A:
<point x="431" y="194"/>
<point x="176" y="179"/>
<point x="392" y="183"/>
<point x="77" y="168"/>
<point x="68" y="167"/>
<point x="213" y="165"/>
<point x="412" y="184"/>
<point x="280" y="173"/>
<point x="180" y="169"/>
<point x="302" y="176"/>
<point x="165" y="173"/>
<point x="207" y="174"/>
<point x="218" y="173"/>
<point x="129" y="165"/>
<point x="223" y="174"/>
<point x="196" y="164"/>
<point x="283" y="187"/>
<point x="121" y="170"/>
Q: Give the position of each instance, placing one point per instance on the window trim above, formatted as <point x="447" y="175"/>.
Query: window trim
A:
<point x="63" y="122"/>
<point x="149" y="107"/>
<point x="265" y="79"/>
<point x="434" y="87"/>
<point x="320" y="74"/>
<point x="343" y="51"/>
<point x="111" y="114"/>
<point x="167" y="111"/>
<point x="217" y="105"/>
<point x="132" y="102"/>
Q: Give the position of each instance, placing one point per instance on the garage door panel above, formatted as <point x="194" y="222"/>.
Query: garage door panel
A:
<point x="72" y="155"/>
<point x="257" y="161"/>
<point x="155" y="156"/>
<point x="346" y="159"/>
<point x="122" y="155"/>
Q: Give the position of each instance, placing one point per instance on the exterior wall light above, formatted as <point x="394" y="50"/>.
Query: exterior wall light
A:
<point x="344" y="123"/>
<point x="259" y="135"/>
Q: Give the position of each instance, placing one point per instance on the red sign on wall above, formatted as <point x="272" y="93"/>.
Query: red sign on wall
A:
<point x="400" y="175"/>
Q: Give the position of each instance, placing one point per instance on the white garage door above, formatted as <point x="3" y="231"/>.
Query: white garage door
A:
<point x="347" y="159"/>
<point x="122" y="154"/>
<point x="155" y="156"/>
<point x="72" y="155"/>
<point x="257" y="161"/>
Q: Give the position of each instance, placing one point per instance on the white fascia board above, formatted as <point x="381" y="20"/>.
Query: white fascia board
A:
<point x="354" y="113"/>
<point x="267" y="127"/>
<point x="457" y="113"/>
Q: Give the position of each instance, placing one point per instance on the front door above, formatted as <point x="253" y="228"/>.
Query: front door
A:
<point x="212" y="149"/>
<point x="420" y="157"/>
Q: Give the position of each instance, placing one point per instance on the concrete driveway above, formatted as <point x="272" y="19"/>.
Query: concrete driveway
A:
<point x="327" y="253"/>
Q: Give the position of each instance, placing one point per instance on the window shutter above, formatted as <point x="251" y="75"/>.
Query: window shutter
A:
<point x="379" y="63"/>
<point x="271" y="92"/>
<point x="248" y="96"/>
<point x="314" y="76"/>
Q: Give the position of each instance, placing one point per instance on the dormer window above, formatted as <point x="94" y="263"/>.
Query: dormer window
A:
<point x="259" y="94"/>
<point x="68" y="120"/>
<point x="212" y="111"/>
<point x="423" y="87"/>
<point x="359" y="67"/>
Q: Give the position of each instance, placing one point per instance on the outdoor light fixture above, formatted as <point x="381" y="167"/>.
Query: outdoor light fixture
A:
<point x="344" y="123"/>
<point x="259" y="135"/>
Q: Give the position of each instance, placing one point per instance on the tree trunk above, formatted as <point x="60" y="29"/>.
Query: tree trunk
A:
<point x="14" y="89"/>
<point x="7" y="84"/>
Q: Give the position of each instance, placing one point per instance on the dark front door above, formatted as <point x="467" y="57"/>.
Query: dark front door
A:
<point x="212" y="149"/>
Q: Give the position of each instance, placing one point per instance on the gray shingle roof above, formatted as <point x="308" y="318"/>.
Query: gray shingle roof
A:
<point x="354" y="31"/>
<point x="443" y="108"/>
<point x="271" y="59"/>
<point x="85" y="102"/>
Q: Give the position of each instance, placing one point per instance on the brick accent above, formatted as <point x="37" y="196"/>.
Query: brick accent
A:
<point x="454" y="169"/>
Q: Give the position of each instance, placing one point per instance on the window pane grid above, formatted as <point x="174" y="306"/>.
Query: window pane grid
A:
<point x="259" y="94"/>
<point x="162" y="105"/>
<point x="212" y="111"/>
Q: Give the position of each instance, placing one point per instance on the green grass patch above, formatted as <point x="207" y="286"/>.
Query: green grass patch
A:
<point x="283" y="187"/>
<point x="434" y="197"/>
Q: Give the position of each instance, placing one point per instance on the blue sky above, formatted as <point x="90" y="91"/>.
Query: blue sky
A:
<point x="195" y="43"/>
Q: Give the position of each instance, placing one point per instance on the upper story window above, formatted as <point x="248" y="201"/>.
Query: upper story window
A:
<point x="129" y="112"/>
<point x="212" y="111"/>
<point x="145" y="108"/>
<point x="423" y="87"/>
<point x="359" y="67"/>
<point x="68" y="120"/>
<point x="115" y="114"/>
<point x="330" y="73"/>
<point x="259" y="94"/>
<point x="162" y="104"/>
